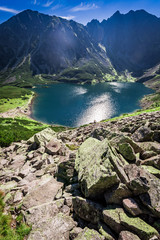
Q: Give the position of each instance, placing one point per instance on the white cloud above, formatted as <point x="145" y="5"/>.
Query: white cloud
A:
<point x="48" y="4"/>
<point x="35" y="2"/>
<point x="84" y="7"/>
<point x="10" y="10"/>
<point x="56" y="6"/>
<point x="68" y="17"/>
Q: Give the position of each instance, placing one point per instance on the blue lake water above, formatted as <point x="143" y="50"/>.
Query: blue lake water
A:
<point x="75" y="105"/>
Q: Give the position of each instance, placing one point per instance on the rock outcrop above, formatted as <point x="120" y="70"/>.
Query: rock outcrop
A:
<point x="107" y="188"/>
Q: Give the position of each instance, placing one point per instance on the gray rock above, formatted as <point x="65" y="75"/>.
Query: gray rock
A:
<point x="6" y="187"/>
<point x="89" y="234"/>
<point x="48" y="223"/>
<point x="18" y="197"/>
<point x="87" y="210"/>
<point x="66" y="172"/>
<point x="117" y="193"/>
<point x="42" y="194"/>
<point x="53" y="147"/>
<point x="125" y="235"/>
<point x="112" y="219"/>
<point x="138" y="180"/>
<point x="25" y="170"/>
<point x="153" y="161"/>
<point x="74" y="233"/>
<point x="142" y="134"/>
<point x="131" y="206"/>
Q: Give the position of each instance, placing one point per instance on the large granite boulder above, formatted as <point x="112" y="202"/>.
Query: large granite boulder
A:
<point x="95" y="171"/>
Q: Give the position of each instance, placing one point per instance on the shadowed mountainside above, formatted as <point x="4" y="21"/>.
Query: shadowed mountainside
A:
<point x="132" y="40"/>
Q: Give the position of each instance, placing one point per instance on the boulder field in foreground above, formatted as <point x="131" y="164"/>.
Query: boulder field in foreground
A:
<point x="95" y="182"/>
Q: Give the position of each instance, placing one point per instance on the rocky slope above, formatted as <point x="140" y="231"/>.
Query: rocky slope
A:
<point x="131" y="40"/>
<point x="100" y="181"/>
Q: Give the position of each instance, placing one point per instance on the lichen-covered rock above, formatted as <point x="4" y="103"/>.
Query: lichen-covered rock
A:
<point x="105" y="231"/>
<point x="137" y="226"/>
<point x="116" y="139"/>
<point x="87" y="210"/>
<point x="152" y="170"/>
<point x="125" y="235"/>
<point x="42" y="137"/>
<point x="89" y="234"/>
<point x="118" y="220"/>
<point x="131" y="206"/>
<point x="117" y="193"/>
<point x="111" y="218"/>
<point x="127" y="151"/>
<point x="95" y="171"/>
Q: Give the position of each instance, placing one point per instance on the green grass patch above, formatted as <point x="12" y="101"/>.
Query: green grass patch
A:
<point x="13" y="97"/>
<point x="17" y="129"/>
<point x="6" y="232"/>
<point x="156" y="100"/>
<point x="13" y="92"/>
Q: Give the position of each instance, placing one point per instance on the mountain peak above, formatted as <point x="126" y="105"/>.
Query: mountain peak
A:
<point x="117" y="13"/>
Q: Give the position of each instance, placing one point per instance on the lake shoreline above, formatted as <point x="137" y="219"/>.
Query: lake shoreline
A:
<point x="24" y="111"/>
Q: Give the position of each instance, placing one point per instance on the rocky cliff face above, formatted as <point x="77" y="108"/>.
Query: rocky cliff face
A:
<point x="132" y="40"/>
<point x="95" y="182"/>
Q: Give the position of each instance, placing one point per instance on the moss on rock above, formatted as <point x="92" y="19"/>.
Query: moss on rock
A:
<point x="101" y="174"/>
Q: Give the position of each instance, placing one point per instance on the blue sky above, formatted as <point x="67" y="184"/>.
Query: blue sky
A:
<point x="80" y="11"/>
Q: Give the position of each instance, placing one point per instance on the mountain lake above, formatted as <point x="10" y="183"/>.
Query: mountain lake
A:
<point x="74" y="105"/>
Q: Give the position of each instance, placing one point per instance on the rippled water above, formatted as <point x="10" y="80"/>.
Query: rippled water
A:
<point x="75" y="105"/>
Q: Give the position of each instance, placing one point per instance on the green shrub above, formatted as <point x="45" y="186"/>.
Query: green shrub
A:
<point x="6" y="232"/>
